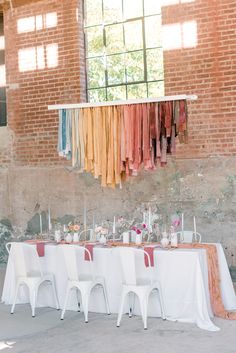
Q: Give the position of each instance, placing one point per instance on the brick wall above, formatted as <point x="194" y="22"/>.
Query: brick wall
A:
<point x="207" y="69"/>
<point x="48" y="32"/>
<point x="199" y="59"/>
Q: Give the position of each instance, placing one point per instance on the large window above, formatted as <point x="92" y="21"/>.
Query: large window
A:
<point x="3" y="113"/>
<point x="124" y="56"/>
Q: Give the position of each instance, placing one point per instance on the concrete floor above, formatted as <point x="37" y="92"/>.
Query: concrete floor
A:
<point x="20" y="333"/>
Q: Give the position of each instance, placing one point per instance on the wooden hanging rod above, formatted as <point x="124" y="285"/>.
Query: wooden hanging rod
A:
<point x="123" y="102"/>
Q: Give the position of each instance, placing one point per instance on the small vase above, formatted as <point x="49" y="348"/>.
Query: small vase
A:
<point x="68" y="238"/>
<point x="125" y="236"/>
<point x="165" y="240"/>
<point x="76" y="237"/>
<point x="102" y="239"/>
<point x="57" y="236"/>
<point x="174" y="240"/>
<point x="138" y="239"/>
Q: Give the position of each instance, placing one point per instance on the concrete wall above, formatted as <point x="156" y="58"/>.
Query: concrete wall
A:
<point x="205" y="188"/>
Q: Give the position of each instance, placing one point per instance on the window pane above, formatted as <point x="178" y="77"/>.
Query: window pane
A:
<point x="3" y="112"/>
<point x="116" y="93"/>
<point x="93" y="12"/>
<point x="133" y="35"/>
<point x="133" y="8"/>
<point x="97" y="95"/>
<point x="112" y="10"/>
<point x="96" y="72"/>
<point x="153" y="31"/>
<point x="152" y="7"/>
<point x="2" y="57"/>
<point x="156" y="89"/>
<point x="137" y="91"/>
<point x="116" y="69"/>
<point x="114" y="39"/>
<point x="135" y="66"/>
<point x="155" y="69"/>
<point x="94" y="36"/>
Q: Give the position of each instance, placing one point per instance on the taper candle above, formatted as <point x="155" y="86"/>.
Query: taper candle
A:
<point x="49" y="219"/>
<point x="40" y="223"/>
<point x="114" y="225"/>
<point x="194" y="226"/>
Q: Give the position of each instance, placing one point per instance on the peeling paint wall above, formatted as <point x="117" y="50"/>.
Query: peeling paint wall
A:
<point x="204" y="188"/>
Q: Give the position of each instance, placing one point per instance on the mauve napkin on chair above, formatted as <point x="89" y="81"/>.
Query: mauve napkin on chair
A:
<point x="40" y="246"/>
<point x="89" y="247"/>
<point x="149" y="250"/>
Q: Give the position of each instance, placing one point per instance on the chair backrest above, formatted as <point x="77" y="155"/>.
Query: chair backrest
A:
<point x="130" y="259"/>
<point x="188" y="236"/>
<point x="75" y="263"/>
<point x="25" y="259"/>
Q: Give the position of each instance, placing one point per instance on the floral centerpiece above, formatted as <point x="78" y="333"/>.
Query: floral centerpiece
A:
<point x="101" y="234"/>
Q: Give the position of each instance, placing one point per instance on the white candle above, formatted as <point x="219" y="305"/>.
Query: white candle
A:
<point x="93" y="222"/>
<point x="144" y="218"/>
<point x="49" y="219"/>
<point x="149" y="218"/>
<point x="114" y="225"/>
<point x="182" y="226"/>
<point x="85" y="217"/>
<point x="194" y="226"/>
<point x="40" y="223"/>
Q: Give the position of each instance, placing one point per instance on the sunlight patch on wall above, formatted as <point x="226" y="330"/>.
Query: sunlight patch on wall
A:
<point x="2" y="43"/>
<point x="38" y="58"/>
<point x="52" y="55"/>
<point x="179" y="35"/>
<point x="2" y="75"/>
<point x="37" y="23"/>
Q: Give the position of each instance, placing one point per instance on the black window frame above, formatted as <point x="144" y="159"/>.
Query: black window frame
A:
<point x="104" y="56"/>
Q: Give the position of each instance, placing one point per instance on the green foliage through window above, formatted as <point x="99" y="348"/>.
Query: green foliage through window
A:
<point x="124" y="56"/>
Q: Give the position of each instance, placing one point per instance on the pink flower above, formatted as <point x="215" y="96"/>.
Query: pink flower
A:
<point x="176" y="223"/>
<point x="138" y="231"/>
<point x="134" y="228"/>
<point x="144" y="225"/>
<point x="76" y="227"/>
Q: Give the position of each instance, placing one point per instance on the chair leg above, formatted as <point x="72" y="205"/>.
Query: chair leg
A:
<point x="85" y="302"/>
<point x="143" y="300"/>
<point x="106" y="298"/>
<point x="123" y="295"/>
<point x="65" y="302"/>
<point x="33" y="298"/>
<point x="163" y="312"/>
<point x="15" y="298"/>
<point x="131" y="303"/>
<point x="78" y="299"/>
<point x="55" y="295"/>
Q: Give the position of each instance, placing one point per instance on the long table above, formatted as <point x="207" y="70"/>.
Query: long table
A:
<point x="183" y="274"/>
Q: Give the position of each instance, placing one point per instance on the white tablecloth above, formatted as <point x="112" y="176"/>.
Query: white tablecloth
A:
<point x="182" y="273"/>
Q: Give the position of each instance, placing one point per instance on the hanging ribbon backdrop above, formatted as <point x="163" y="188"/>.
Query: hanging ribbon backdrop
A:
<point x="115" y="141"/>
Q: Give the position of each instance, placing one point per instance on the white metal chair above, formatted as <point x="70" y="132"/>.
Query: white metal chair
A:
<point x="133" y="284"/>
<point x="81" y="277"/>
<point x="189" y="236"/>
<point x="23" y="256"/>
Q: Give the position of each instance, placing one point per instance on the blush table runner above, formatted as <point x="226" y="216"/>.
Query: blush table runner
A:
<point x="214" y="280"/>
